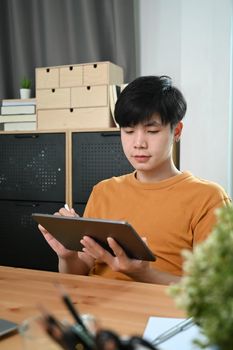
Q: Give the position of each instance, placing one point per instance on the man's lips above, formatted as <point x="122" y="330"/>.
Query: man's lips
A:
<point x="141" y="158"/>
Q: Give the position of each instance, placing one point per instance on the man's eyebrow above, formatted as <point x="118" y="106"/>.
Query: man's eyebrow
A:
<point x="152" y="123"/>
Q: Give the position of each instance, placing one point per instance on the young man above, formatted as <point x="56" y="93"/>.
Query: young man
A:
<point x="170" y="209"/>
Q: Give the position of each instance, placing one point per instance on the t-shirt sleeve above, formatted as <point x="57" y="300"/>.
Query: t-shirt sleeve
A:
<point x="207" y="221"/>
<point x="90" y="211"/>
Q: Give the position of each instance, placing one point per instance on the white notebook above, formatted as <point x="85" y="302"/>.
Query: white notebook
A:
<point x="181" y="341"/>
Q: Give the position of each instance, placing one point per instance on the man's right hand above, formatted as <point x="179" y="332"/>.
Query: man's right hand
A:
<point x="69" y="261"/>
<point x="59" y="249"/>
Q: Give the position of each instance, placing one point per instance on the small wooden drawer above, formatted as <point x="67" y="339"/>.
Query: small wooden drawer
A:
<point x="71" y="76"/>
<point x="102" y="73"/>
<point x="47" y="78"/>
<point x="53" y="98"/>
<point x="89" y="96"/>
<point x="74" y="118"/>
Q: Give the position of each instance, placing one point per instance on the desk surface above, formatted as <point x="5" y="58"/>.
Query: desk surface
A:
<point x="119" y="305"/>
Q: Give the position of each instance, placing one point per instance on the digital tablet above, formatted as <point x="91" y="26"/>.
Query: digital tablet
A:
<point x="70" y="230"/>
<point x="7" y="327"/>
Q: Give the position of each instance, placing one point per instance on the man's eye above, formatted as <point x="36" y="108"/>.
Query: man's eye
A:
<point x="128" y="131"/>
<point x="153" y="131"/>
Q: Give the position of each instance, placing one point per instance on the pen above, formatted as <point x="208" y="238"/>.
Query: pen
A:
<point x="69" y="337"/>
<point x="180" y="327"/>
<point x="71" y="308"/>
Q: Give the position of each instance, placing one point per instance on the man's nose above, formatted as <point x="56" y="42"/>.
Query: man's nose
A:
<point x="140" y="140"/>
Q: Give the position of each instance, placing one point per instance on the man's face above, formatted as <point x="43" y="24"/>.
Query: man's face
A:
<point x="148" y="146"/>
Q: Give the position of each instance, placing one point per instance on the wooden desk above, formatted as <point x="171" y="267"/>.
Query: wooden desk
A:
<point x="119" y="305"/>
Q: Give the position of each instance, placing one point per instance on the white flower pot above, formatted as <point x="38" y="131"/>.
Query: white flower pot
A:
<point x="25" y="93"/>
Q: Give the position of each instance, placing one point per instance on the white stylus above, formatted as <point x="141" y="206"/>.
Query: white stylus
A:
<point x="66" y="207"/>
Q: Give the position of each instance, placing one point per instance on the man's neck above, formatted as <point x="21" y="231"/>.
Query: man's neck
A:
<point x="152" y="177"/>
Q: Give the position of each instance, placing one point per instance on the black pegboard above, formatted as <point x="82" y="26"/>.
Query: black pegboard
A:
<point x="79" y="208"/>
<point x="95" y="156"/>
<point x="21" y="243"/>
<point x="32" y="166"/>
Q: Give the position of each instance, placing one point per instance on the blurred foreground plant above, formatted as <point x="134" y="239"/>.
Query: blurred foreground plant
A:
<point x="206" y="289"/>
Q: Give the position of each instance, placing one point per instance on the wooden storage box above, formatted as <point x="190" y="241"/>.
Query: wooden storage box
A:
<point x="71" y="76"/>
<point x="99" y="73"/>
<point x="47" y="78"/>
<point x="53" y="98"/>
<point x="99" y="117"/>
<point x="102" y="73"/>
<point x="89" y="96"/>
<point x="76" y="96"/>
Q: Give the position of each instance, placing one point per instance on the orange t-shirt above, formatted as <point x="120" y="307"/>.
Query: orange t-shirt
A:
<point x="173" y="214"/>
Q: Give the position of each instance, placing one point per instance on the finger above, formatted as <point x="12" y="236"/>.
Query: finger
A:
<point x="118" y="251"/>
<point x="92" y="247"/>
<point x="45" y="233"/>
<point x="121" y="255"/>
<point x="73" y="212"/>
<point x="65" y="212"/>
<point x="95" y="250"/>
<point x="42" y="230"/>
<point x="89" y="253"/>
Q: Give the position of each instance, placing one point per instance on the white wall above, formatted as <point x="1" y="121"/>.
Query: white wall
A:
<point x="190" y="40"/>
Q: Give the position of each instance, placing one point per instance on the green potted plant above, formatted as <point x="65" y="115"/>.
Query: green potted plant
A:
<point x="25" y="88"/>
<point x="205" y="291"/>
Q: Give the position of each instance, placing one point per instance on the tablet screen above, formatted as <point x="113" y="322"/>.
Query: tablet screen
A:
<point x="70" y="230"/>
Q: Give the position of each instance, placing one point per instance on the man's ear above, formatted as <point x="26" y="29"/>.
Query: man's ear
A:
<point x="177" y="131"/>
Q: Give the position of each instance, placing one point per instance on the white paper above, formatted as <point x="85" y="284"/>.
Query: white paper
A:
<point x="181" y="341"/>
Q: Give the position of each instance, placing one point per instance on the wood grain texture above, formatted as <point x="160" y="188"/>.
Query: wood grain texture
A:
<point x="119" y="305"/>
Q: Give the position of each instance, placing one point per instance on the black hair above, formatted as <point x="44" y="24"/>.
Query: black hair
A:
<point x="149" y="95"/>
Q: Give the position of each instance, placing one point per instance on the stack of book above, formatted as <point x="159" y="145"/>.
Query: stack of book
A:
<point x="18" y="114"/>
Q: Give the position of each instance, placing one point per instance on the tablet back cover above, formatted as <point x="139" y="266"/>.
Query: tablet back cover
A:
<point x="69" y="231"/>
